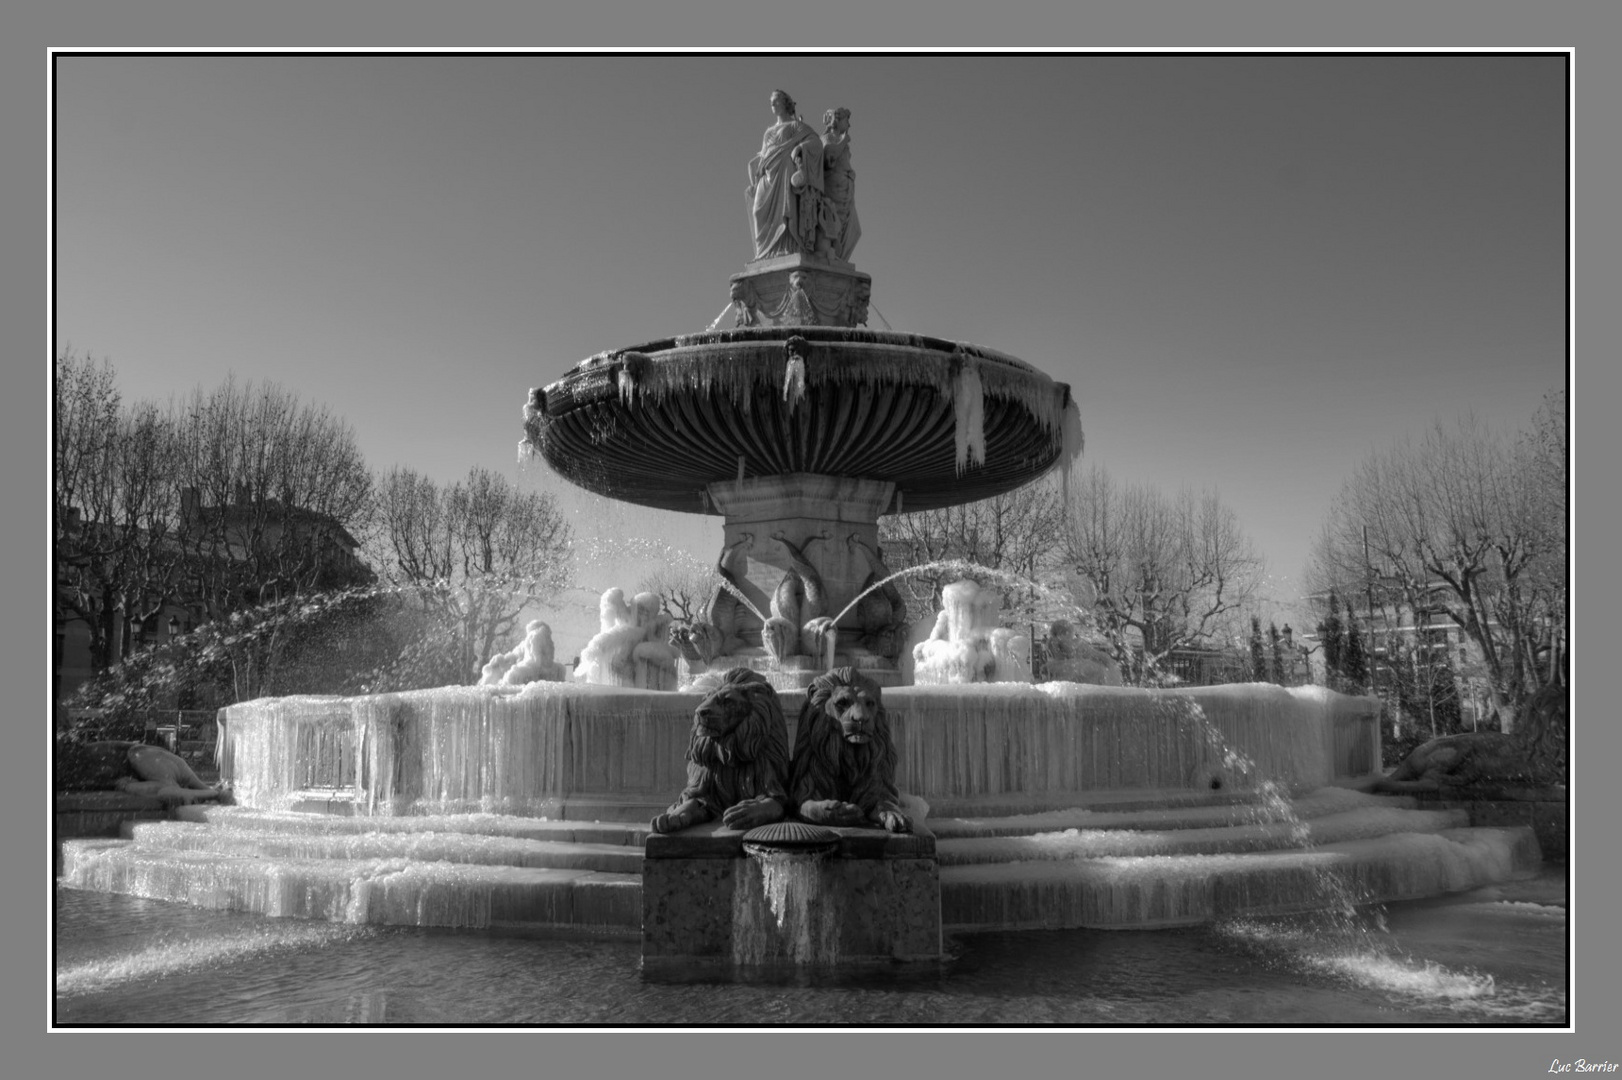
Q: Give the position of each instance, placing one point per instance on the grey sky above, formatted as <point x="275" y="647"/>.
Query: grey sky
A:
<point x="1251" y="270"/>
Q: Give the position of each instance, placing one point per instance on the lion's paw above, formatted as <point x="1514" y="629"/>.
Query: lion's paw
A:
<point x="749" y="815"/>
<point x="675" y="819"/>
<point x="832" y="812"/>
<point x="894" y="821"/>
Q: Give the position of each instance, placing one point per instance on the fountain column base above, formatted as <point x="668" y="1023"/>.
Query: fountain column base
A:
<point x="707" y="906"/>
<point x="830" y="521"/>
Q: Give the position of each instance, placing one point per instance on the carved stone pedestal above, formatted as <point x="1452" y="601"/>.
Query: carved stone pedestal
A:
<point x="809" y="536"/>
<point x="796" y="290"/>
<point x="877" y="901"/>
<point x="816" y="514"/>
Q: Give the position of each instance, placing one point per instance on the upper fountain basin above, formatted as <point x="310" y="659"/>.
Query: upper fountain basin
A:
<point x="945" y="422"/>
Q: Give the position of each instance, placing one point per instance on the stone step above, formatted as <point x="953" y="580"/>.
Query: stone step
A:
<point x="1089" y="842"/>
<point x="1158" y="817"/>
<point x="628" y="808"/>
<point x="391" y="876"/>
<point x="396" y="892"/>
<point x="1145" y="892"/>
<point x="315" y="824"/>
<point x="445" y="846"/>
<point x="1013" y="804"/>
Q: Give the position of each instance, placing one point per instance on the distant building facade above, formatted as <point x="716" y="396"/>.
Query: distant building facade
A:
<point x="239" y="531"/>
<point x="1395" y="623"/>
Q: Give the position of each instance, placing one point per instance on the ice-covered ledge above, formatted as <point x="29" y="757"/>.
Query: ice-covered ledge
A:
<point x="581" y="752"/>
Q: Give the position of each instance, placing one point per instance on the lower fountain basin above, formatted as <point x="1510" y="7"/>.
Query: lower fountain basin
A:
<point x="570" y="751"/>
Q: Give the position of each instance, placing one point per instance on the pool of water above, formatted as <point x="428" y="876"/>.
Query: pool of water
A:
<point x="1496" y="956"/>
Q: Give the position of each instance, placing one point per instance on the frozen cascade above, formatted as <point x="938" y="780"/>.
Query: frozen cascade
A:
<point x="456" y="749"/>
<point x="504" y="750"/>
<point x="1006" y="738"/>
<point x="787" y="911"/>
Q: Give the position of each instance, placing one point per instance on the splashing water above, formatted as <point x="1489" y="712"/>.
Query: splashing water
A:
<point x="1372" y="963"/>
<point x="1343" y="919"/>
<point x="735" y="591"/>
<point x="965" y="568"/>
<point x="1344" y="936"/>
<point x="196" y="954"/>
<point x="715" y="324"/>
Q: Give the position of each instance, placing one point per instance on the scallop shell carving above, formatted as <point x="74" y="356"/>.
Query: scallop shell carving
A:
<point x="791" y="834"/>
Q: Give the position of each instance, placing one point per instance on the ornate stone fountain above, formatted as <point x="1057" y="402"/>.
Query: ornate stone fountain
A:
<point x="1025" y="806"/>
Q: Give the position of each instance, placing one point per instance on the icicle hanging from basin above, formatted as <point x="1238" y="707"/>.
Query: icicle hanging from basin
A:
<point x="969" y="412"/>
<point x="795" y="349"/>
<point x="634" y="366"/>
<point x="1070" y="445"/>
<point x="794" y="381"/>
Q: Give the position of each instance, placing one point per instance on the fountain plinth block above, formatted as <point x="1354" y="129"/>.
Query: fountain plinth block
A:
<point x="706" y="904"/>
<point x="800" y="290"/>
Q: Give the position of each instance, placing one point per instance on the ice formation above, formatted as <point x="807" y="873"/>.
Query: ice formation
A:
<point x="967" y="645"/>
<point x="531" y="660"/>
<point x="631" y="646"/>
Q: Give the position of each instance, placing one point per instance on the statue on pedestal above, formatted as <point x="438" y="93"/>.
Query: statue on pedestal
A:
<point x="785" y="184"/>
<point x="837" y="227"/>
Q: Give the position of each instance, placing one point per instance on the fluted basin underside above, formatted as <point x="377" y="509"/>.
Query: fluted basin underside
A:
<point x="945" y="422"/>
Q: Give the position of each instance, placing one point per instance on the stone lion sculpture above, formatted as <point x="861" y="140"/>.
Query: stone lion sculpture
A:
<point x="1454" y="761"/>
<point x="737" y="758"/>
<point x="843" y="772"/>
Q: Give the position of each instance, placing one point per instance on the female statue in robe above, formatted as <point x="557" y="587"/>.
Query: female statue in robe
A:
<point x="785" y="184"/>
<point x="840" y="228"/>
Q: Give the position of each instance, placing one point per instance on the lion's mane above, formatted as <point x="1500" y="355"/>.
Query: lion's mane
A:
<point x="746" y="762"/>
<point x="827" y="766"/>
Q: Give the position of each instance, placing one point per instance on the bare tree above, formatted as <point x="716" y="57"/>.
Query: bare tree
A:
<point x="225" y="501"/>
<point x="1470" y="525"/>
<point x="272" y="490"/>
<point x="476" y="553"/>
<point x="113" y="506"/>
<point x="686" y="585"/>
<point x="1164" y="572"/>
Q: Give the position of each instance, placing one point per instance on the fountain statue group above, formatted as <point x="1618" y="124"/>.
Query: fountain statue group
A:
<point x="803" y="221"/>
<point x="802" y="187"/>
